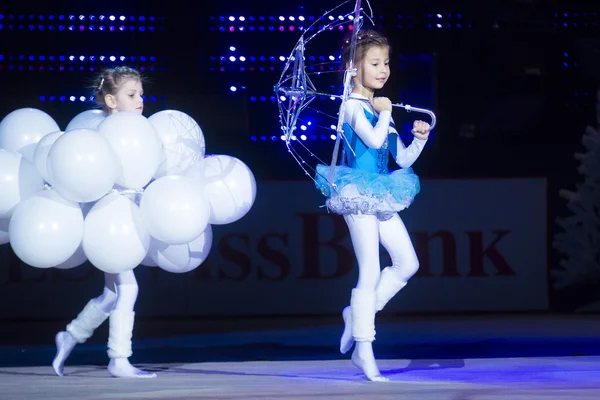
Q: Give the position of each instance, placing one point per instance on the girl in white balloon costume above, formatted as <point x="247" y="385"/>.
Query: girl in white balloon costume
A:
<point x="369" y="196"/>
<point x="118" y="90"/>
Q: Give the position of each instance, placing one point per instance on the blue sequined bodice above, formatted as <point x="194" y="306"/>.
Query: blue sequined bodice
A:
<point x="365" y="158"/>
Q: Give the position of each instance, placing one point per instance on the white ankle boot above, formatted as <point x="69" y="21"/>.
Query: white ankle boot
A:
<point x="78" y="331"/>
<point x="84" y="325"/>
<point x="362" y="304"/>
<point x="120" y="333"/>
<point x="389" y="285"/>
<point x="387" y="288"/>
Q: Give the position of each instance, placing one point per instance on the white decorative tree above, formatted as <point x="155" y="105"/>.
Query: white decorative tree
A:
<point x="579" y="242"/>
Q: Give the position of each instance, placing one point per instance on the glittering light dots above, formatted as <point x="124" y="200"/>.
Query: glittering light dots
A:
<point x="85" y="23"/>
<point x="81" y="98"/>
<point x="243" y="23"/>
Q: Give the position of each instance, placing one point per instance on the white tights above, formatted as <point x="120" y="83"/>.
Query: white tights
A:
<point x="375" y="287"/>
<point x="120" y="292"/>
<point x="367" y="232"/>
<point x="116" y="302"/>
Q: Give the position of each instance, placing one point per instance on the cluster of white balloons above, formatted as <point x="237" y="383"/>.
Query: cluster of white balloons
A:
<point x="118" y="191"/>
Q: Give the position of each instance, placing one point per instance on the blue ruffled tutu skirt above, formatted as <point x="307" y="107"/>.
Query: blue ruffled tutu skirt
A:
<point x="360" y="192"/>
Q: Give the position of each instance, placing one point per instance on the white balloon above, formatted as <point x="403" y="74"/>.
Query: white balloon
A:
<point x="183" y="141"/>
<point x="174" y="209"/>
<point x="196" y="172"/>
<point x="183" y="257"/>
<point x="82" y="165"/>
<point x="79" y="257"/>
<point x="89" y="119"/>
<point x="45" y="230"/>
<point x="4" y="238"/>
<point x="115" y="238"/>
<point x="147" y="261"/>
<point x="230" y="188"/>
<point x="40" y="155"/>
<point x="22" y="129"/>
<point x="75" y="260"/>
<point x="136" y="145"/>
<point x="19" y="180"/>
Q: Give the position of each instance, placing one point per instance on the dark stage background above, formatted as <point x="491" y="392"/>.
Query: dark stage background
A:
<point x="513" y="84"/>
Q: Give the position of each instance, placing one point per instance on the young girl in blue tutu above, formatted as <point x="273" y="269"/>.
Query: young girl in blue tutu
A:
<point x="369" y="196"/>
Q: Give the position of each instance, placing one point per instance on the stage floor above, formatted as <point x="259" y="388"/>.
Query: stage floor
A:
<point x="460" y="357"/>
<point x="473" y="379"/>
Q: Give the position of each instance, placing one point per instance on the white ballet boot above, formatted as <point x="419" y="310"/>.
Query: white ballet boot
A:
<point x="362" y="305"/>
<point x="120" y="333"/>
<point x="119" y="346"/>
<point x="78" y="331"/>
<point x="389" y="285"/>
